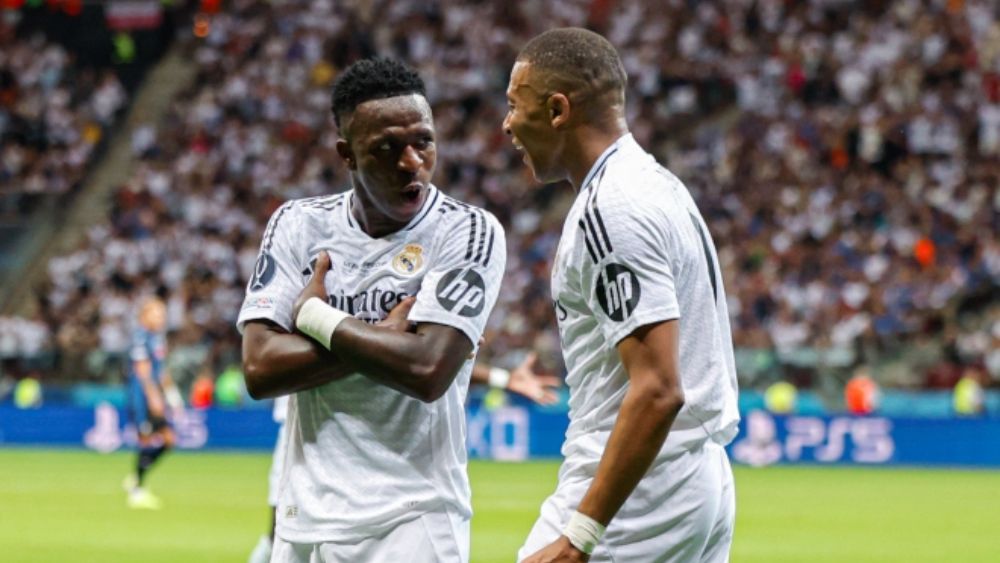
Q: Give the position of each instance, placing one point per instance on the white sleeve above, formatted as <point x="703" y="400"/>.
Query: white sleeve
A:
<point x="463" y="282"/>
<point x="629" y="273"/>
<point x="276" y="280"/>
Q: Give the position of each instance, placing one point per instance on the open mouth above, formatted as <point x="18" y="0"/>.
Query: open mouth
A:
<point x="411" y="193"/>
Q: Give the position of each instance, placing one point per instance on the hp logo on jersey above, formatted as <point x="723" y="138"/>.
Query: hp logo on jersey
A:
<point x="462" y="291"/>
<point x="617" y="291"/>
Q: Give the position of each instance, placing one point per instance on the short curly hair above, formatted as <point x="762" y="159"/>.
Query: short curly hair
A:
<point x="373" y="79"/>
<point x="578" y="56"/>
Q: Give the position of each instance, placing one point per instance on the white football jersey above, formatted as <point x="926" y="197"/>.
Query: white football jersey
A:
<point x="635" y="251"/>
<point x="362" y="457"/>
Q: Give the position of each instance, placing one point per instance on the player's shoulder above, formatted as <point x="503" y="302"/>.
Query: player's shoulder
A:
<point x="638" y="178"/>
<point x="638" y="188"/>
<point x="315" y="206"/>
<point x="140" y="342"/>
<point x="296" y="216"/>
<point x="454" y="213"/>
<point x="633" y="203"/>
<point x="468" y="228"/>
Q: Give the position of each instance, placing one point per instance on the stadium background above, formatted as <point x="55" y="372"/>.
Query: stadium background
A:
<point x="844" y="154"/>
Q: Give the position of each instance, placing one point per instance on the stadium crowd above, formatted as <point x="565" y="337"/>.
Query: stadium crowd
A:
<point x="845" y="155"/>
<point x="53" y="115"/>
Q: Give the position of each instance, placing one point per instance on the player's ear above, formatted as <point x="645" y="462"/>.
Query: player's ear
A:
<point x="345" y="152"/>
<point x="559" y="109"/>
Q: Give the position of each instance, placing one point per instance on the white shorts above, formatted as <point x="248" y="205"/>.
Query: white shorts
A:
<point x="686" y="517"/>
<point x="434" y="537"/>
<point x="277" y="466"/>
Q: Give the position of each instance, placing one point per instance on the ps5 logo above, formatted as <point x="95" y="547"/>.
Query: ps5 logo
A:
<point x="462" y="290"/>
<point x="618" y="291"/>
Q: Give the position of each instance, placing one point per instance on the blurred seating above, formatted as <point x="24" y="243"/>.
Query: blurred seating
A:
<point x="853" y="197"/>
<point x="53" y="114"/>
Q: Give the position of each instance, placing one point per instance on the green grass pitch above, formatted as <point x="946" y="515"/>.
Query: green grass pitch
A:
<point x="68" y="506"/>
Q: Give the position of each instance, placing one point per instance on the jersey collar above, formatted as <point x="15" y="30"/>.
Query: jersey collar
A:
<point x="603" y="159"/>
<point x="433" y="194"/>
<point x="429" y="202"/>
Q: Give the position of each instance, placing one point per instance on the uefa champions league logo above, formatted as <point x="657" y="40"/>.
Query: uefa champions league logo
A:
<point x="107" y="434"/>
<point x="263" y="272"/>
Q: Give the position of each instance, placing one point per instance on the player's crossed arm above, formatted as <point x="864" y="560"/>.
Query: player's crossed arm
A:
<point x="420" y="361"/>
<point x="523" y="380"/>
<point x="277" y="362"/>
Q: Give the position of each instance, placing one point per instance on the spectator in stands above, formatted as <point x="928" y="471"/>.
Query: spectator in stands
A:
<point x="851" y="190"/>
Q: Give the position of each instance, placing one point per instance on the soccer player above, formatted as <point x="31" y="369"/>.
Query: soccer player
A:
<point x="262" y="551"/>
<point x="150" y="392"/>
<point x="375" y="465"/>
<point x="642" y="315"/>
<point x="522" y="380"/>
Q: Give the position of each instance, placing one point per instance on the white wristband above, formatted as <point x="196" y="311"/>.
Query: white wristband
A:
<point x="499" y="378"/>
<point x="583" y="532"/>
<point x="318" y="320"/>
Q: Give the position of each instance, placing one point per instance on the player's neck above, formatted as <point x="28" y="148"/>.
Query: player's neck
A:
<point x="590" y="144"/>
<point x="373" y="223"/>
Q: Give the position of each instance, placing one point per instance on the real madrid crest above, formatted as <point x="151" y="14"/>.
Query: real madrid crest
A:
<point x="410" y="260"/>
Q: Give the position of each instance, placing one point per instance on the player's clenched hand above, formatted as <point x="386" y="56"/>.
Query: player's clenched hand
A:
<point x="397" y="317"/>
<point x="559" y="551"/>
<point x="539" y="388"/>
<point x="315" y="287"/>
